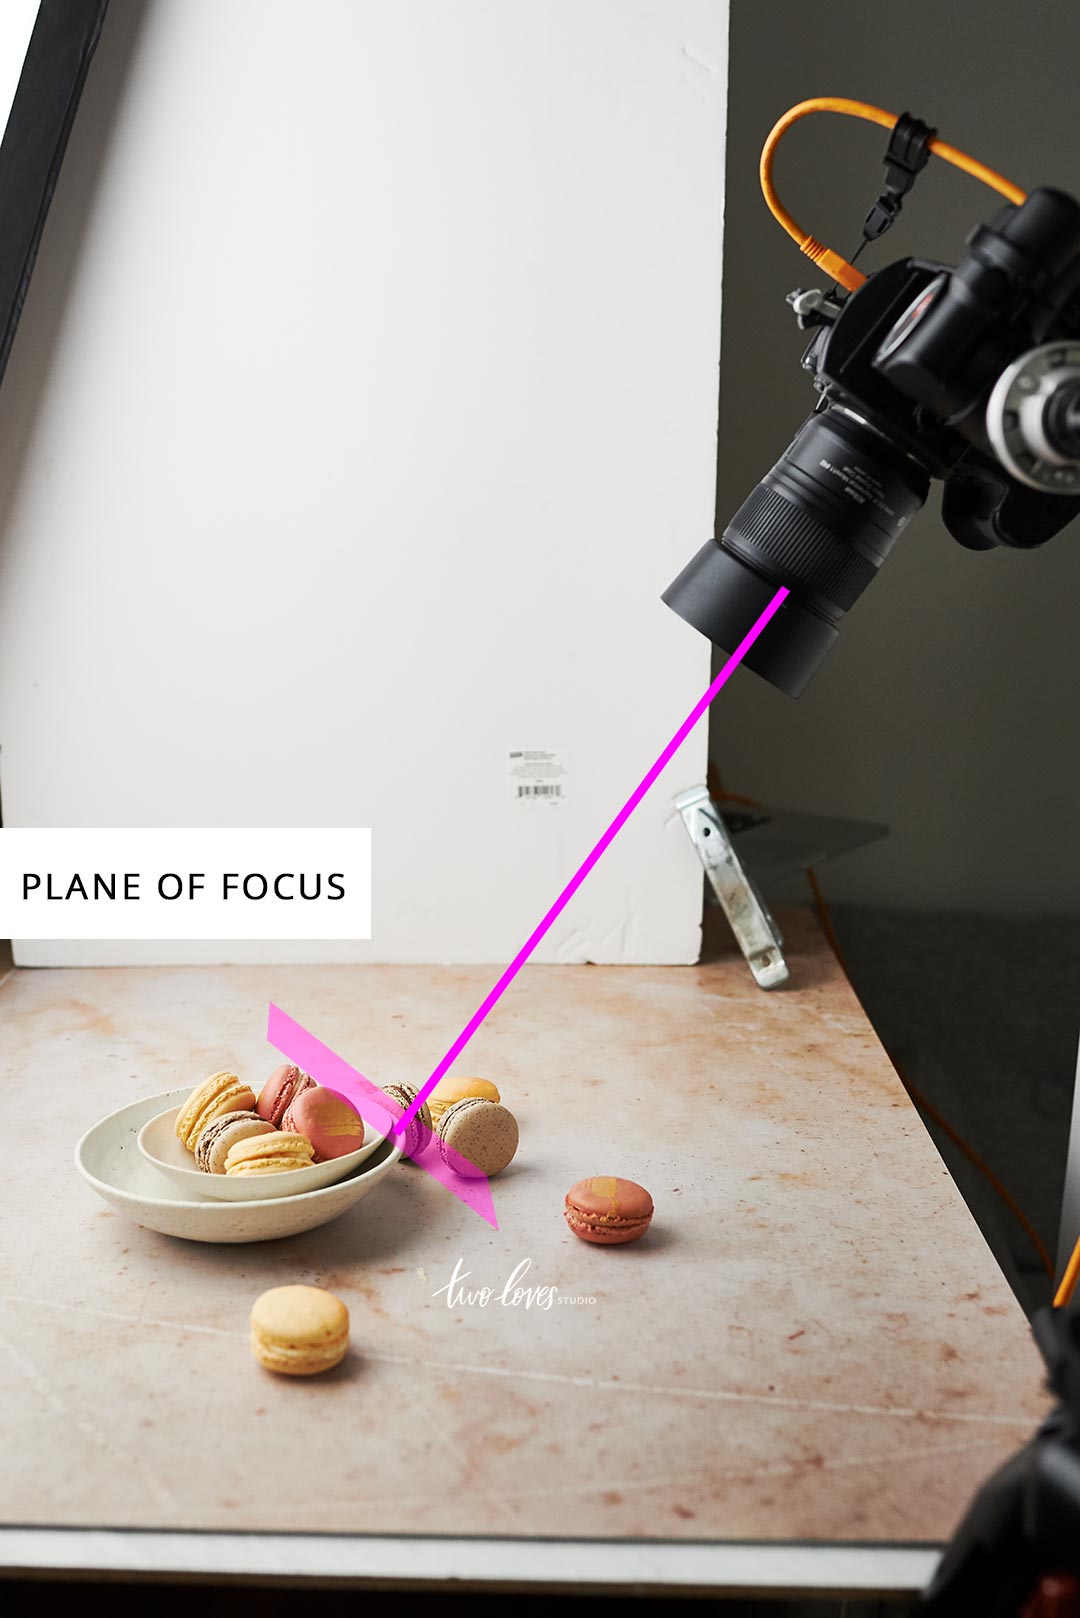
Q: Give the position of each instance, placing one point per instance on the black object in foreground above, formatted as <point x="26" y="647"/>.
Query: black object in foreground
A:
<point x="1025" y="1521"/>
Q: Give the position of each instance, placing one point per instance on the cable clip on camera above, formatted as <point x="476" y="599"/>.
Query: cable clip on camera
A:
<point x="907" y="155"/>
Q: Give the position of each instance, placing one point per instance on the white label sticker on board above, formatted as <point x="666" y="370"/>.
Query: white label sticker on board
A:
<point x="537" y="776"/>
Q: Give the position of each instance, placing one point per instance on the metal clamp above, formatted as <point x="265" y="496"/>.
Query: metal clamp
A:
<point x="755" y="930"/>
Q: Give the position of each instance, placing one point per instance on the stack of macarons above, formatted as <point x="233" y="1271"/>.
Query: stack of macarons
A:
<point x="293" y="1123"/>
<point x="291" y="1101"/>
<point x="476" y="1134"/>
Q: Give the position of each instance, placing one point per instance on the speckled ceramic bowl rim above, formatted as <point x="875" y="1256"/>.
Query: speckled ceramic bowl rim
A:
<point x="380" y="1160"/>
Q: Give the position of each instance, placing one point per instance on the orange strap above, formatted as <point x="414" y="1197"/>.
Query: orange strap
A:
<point x="1069" y="1279"/>
<point x="836" y="267"/>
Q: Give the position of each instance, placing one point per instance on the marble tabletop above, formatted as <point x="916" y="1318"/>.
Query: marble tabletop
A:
<point x="813" y="1343"/>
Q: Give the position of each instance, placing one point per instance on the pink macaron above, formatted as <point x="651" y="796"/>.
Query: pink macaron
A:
<point x="280" y="1091"/>
<point x="333" y="1127"/>
<point x="607" y="1210"/>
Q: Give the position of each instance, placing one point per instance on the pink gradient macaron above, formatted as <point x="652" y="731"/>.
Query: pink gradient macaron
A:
<point x="280" y="1091"/>
<point x="333" y="1127"/>
<point x="607" y="1210"/>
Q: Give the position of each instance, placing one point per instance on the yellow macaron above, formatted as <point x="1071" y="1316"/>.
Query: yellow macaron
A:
<point x="299" y="1331"/>
<point x="269" y="1154"/>
<point x="448" y="1091"/>
<point x="221" y="1092"/>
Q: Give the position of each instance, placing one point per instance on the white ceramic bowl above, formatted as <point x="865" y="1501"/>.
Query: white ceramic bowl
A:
<point x="109" y="1160"/>
<point x="157" y="1141"/>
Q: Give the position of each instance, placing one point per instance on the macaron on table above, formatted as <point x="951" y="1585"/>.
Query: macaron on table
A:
<point x="708" y="1317"/>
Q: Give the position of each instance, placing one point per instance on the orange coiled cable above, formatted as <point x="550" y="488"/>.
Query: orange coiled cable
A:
<point x="835" y="266"/>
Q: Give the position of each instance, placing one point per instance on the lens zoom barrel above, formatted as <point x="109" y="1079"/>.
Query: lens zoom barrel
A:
<point x="821" y="523"/>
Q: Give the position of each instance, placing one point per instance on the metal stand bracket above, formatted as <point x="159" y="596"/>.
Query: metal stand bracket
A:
<point x="757" y="933"/>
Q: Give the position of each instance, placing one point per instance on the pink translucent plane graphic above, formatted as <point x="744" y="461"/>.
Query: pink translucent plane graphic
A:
<point x="383" y="1113"/>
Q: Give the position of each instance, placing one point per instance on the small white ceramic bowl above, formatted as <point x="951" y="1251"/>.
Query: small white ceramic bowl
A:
<point x="109" y="1160"/>
<point x="157" y="1141"/>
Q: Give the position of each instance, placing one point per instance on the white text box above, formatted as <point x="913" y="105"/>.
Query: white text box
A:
<point x="181" y="882"/>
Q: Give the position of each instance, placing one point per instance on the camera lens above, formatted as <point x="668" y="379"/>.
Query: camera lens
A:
<point x="1062" y="421"/>
<point x="821" y="523"/>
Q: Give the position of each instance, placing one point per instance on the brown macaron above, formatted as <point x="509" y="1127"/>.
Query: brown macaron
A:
<point x="477" y="1138"/>
<point x="222" y="1133"/>
<point x="418" y="1133"/>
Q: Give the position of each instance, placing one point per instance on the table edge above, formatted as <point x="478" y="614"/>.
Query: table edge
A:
<point x="721" y="1568"/>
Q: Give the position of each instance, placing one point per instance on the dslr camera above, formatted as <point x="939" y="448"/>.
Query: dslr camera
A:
<point x="968" y="374"/>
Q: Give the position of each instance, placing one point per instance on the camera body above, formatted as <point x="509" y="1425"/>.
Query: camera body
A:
<point x="969" y="374"/>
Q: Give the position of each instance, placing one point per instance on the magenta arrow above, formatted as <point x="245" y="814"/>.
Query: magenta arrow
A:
<point x="491" y="1000"/>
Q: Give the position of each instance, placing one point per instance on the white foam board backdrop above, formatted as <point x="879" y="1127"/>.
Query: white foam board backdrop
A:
<point x="355" y="446"/>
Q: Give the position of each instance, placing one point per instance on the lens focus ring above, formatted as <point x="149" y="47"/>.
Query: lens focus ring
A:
<point x="771" y="532"/>
<point x="821" y="522"/>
